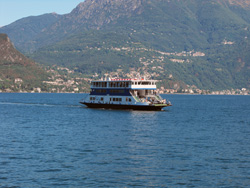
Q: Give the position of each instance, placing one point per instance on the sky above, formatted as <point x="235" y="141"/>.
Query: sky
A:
<point x="12" y="10"/>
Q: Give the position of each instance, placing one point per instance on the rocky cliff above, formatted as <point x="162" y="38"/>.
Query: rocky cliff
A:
<point x="17" y="71"/>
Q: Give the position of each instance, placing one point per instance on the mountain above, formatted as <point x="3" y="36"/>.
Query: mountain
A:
<point x="50" y="28"/>
<point x="21" y="74"/>
<point x="199" y="42"/>
<point x="17" y="71"/>
<point x="27" y="29"/>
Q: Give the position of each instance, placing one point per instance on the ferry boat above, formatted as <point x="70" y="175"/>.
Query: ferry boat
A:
<point x="134" y="94"/>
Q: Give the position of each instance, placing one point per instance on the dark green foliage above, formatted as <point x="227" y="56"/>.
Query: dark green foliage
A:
<point x="216" y="28"/>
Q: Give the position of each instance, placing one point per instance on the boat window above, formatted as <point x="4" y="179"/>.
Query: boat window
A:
<point x="129" y="100"/>
<point x="120" y="99"/>
<point x="117" y="91"/>
<point x="101" y="98"/>
<point x="146" y="83"/>
<point x="101" y="91"/>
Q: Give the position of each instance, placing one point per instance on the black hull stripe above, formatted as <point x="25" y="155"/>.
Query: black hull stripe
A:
<point x="127" y="107"/>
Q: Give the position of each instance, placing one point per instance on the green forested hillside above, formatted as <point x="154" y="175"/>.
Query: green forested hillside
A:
<point x="196" y="42"/>
<point x="16" y="71"/>
<point x="27" y="29"/>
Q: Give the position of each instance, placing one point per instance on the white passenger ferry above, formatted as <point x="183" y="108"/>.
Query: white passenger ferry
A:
<point x="135" y="94"/>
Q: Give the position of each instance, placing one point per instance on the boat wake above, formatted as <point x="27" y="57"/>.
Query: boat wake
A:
<point x="40" y="104"/>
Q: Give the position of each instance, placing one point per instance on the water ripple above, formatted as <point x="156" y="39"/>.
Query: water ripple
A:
<point x="51" y="141"/>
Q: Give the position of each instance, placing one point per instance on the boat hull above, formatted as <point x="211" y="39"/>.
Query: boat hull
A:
<point x="157" y="107"/>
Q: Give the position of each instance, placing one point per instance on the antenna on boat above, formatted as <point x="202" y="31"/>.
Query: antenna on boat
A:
<point x="138" y="76"/>
<point x="106" y="75"/>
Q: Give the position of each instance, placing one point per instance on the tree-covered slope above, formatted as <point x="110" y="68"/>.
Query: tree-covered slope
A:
<point x="214" y="28"/>
<point x="16" y="70"/>
<point x="199" y="42"/>
<point x="22" y="32"/>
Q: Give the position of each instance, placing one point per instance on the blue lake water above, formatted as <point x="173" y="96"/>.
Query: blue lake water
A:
<point x="50" y="140"/>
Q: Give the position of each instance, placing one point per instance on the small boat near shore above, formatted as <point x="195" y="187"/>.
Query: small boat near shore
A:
<point x="131" y="94"/>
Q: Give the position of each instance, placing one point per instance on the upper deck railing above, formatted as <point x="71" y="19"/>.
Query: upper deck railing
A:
<point x="125" y="83"/>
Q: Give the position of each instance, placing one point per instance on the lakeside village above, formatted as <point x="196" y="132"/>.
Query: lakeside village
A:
<point x="64" y="80"/>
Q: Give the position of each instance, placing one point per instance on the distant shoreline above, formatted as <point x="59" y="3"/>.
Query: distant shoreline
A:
<point x="160" y="94"/>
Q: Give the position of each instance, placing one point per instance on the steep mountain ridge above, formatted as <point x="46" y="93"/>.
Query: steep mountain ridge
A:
<point x="87" y="15"/>
<point x="9" y="54"/>
<point x="213" y="27"/>
<point x="101" y="36"/>
<point x="27" y="29"/>
<point x="15" y="68"/>
<point x="100" y="14"/>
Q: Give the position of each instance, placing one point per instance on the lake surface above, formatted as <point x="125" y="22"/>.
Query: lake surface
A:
<point x="50" y="140"/>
